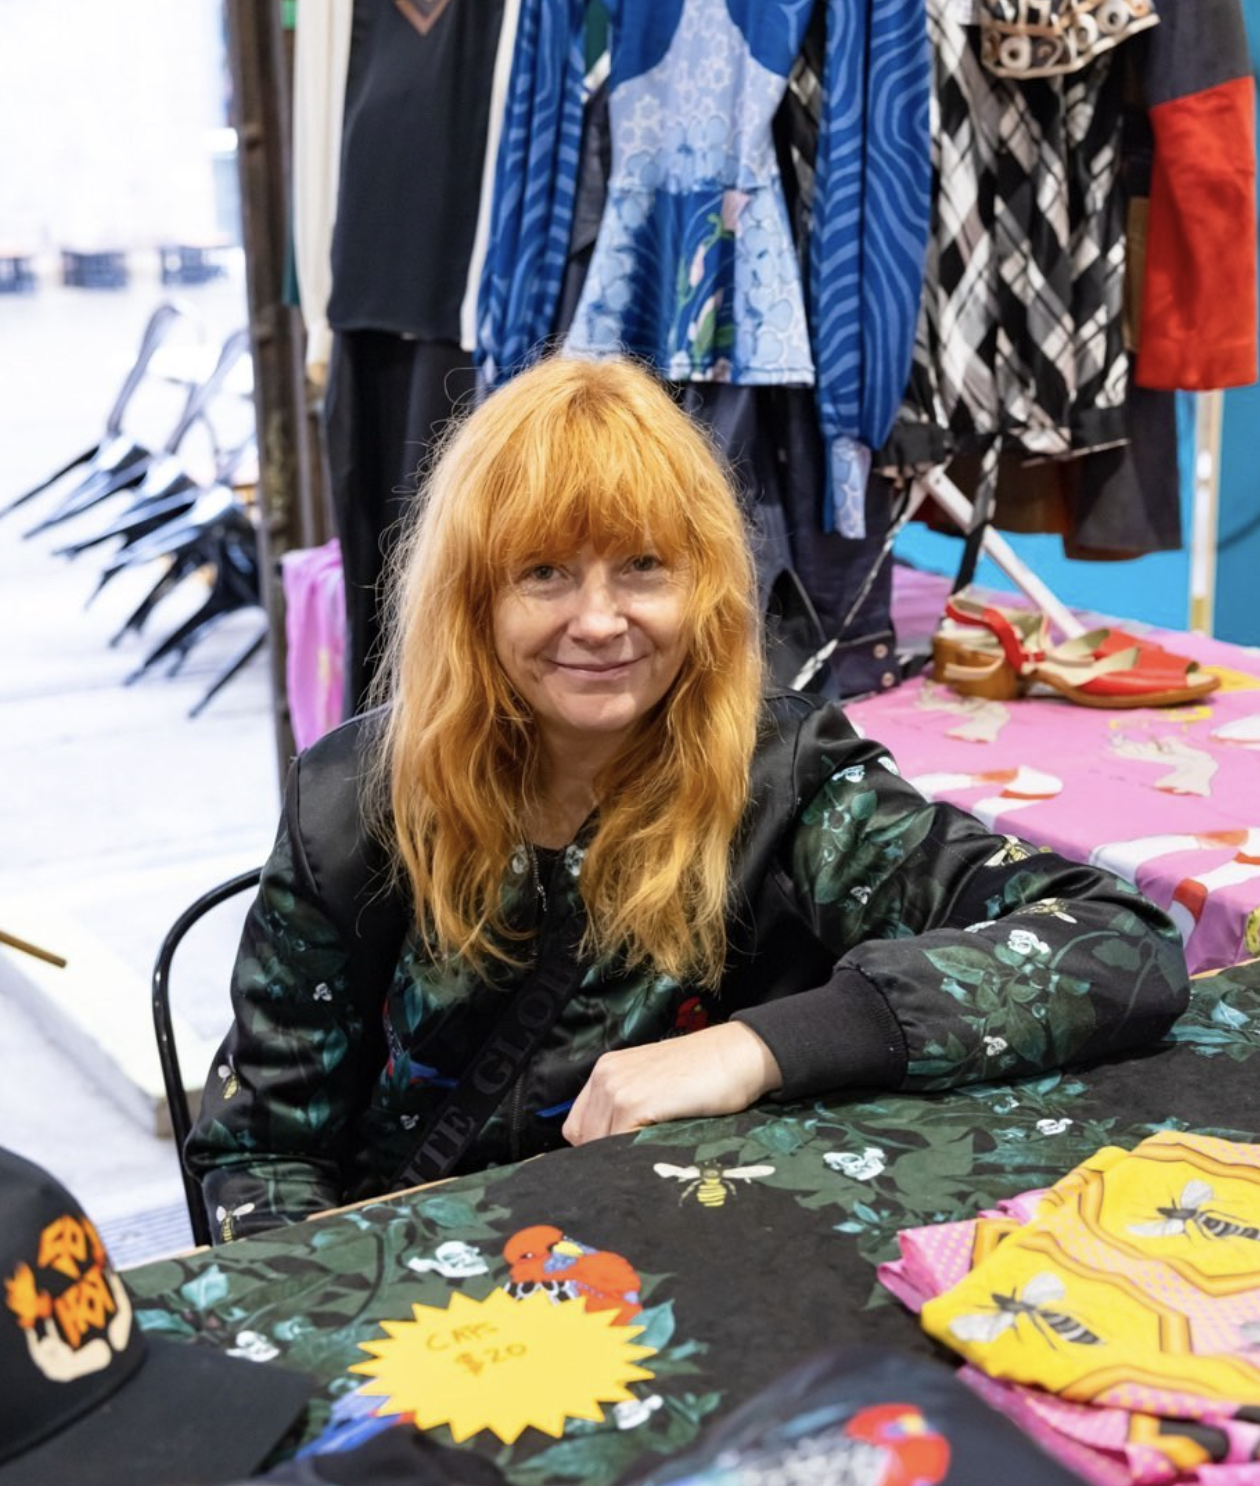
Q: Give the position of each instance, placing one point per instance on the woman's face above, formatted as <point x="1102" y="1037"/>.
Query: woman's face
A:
<point x="591" y="642"/>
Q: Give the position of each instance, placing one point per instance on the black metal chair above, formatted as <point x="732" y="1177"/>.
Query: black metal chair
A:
<point x="115" y="455"/>
<point x="168" y="1054"/>
<point x="138" y="463"/>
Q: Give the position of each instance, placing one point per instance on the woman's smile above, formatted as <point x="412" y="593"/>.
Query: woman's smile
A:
<point x="591" y="643"/>
<point x="599" y="671"/>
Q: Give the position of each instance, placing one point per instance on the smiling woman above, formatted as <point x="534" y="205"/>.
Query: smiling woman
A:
<point x="576" y="873"/>
<point x="590" y="643"/>
<point x="580" y="554"/>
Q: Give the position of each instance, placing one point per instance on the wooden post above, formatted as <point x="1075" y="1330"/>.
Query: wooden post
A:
<point x="1208" y="415"/>
<point x="261" y="115"/>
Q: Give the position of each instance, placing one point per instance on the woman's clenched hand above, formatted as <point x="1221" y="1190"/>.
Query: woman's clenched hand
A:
<point x="716" y="1071"/>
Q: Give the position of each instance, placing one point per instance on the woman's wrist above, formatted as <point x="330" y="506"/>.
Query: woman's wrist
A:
<point x="762" y="1072"/>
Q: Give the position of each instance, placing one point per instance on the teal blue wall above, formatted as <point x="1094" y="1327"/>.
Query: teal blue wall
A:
<point x="1156" y="588"/>
<point x="1238" y="559"/>
<point x="1238" y="551"/>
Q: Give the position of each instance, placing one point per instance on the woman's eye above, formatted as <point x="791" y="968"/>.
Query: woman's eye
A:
<point x="645" y="562"/>
<point x="541" y="572"/>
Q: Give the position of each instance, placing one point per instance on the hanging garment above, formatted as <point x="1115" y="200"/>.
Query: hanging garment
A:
<point x="1198" y="325"/>
<point x="388" y="400"/>
<point x="694" y="178"/>
<point x="423" y="90"/>
<point x="1043" y="38"/>
<point x="1125" y="500"/>
<point x="770" y="435"/>
<point x="1020" y="333"/>
<point x="414" y="138"/>
<point x="1187" y="182"/>
<point x="771" y="439"/>
<point x="321" y="56"/>
<point x="1117" y="502"/>
<point x="694" y="267"/>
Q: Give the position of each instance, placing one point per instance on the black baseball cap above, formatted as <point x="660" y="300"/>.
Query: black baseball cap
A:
<point x="85" y="1395"/>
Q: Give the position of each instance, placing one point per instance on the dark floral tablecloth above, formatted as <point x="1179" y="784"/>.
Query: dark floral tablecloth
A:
<point x="753" y="1246"/>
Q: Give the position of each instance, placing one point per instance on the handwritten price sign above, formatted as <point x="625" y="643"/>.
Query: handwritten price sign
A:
<point x="460" y="1365"/>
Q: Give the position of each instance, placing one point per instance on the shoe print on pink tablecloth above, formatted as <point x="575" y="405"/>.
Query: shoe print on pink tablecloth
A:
<point x="1239" y="732"/>
<point x="1192" y="895"/>
<point x="1188" y="770"/>
<point x="1187" y="773"/>
<point x="982" y="720"/>
<point x="1006" y="790"/>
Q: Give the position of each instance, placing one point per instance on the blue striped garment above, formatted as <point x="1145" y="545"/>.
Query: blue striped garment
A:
<point x="695" y="269"/>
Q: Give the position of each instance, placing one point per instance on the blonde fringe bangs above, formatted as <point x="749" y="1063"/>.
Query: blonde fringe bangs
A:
<point x="567" y="453"/>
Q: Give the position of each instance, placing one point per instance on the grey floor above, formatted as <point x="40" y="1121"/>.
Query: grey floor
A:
<point x="116" y="809"/>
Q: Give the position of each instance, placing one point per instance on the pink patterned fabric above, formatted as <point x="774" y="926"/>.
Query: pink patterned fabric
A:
<point x="1109" y="1444"/>
<point x="1165" y="797"/>
<point x="932" y="1259"/>
<point x="1094" y="1441"/>
<point x="1077" y="1442"/>
<point x="315" y="627"/>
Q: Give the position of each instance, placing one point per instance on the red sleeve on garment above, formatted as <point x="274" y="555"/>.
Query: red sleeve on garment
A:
<point x="1198" y="326"/>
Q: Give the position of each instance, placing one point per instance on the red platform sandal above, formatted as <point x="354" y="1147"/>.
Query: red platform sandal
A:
<point x="986" y="651"/>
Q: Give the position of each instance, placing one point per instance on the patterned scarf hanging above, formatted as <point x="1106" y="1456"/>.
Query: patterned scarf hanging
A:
<point x="1045" y="38"/>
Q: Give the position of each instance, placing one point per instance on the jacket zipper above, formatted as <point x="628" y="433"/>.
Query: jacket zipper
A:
<point x="550" y="909"/>
<point x="516" y="1117"/>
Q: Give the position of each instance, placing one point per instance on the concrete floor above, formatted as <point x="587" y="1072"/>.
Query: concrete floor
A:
<point x="116" y="809"/>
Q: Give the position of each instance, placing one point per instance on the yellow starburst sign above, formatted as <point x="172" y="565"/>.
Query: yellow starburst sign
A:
<point x="503" y="1364"/>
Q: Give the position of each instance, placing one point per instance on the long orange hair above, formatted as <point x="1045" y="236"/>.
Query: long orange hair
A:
<point x="569" y="452"/>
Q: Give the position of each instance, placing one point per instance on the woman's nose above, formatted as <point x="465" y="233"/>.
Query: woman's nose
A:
<point x="597" y="611"/>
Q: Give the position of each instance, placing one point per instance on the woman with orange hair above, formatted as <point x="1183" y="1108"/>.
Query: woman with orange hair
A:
<point x="578" y="873"/>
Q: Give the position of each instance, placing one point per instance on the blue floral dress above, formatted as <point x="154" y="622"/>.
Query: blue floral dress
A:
<point x="695" y="268"/>
<point x="695" y="257"/>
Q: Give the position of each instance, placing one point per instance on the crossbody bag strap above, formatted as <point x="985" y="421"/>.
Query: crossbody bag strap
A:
<point x="531" y="1012"/>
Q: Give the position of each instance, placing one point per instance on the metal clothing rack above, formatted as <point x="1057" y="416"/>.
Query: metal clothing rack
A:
<point x="1209" y="411"/>
<point x="937" y="484"/>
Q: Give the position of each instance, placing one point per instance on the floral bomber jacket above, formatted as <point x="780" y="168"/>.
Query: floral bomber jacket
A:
<point x="877" y="940"/>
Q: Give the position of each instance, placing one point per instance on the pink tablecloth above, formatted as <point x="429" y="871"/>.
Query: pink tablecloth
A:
<point x="1166" y="797"/>
<point x="315" y="628"/>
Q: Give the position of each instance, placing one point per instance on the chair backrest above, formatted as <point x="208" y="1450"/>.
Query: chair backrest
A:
<point x="163" y="1026"/>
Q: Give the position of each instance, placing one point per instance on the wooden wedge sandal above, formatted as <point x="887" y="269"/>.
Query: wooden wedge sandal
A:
<point x="998" y="654"/>
<point x="972" y="625"/>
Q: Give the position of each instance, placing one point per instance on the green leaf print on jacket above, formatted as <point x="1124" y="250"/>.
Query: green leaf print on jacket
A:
<point x="966" y="956"/>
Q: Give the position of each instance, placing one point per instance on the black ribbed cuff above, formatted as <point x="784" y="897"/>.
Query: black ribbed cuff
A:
<point x="839" y="1035"/>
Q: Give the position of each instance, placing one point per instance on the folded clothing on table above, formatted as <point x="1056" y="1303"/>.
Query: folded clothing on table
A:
<point x="1118" y="1310"/>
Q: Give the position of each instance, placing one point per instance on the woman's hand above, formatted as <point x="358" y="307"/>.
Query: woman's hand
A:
<point x="716" y="1071"/>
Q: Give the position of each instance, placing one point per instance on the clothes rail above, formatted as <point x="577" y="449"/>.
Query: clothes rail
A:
<point x="937" y="484"/>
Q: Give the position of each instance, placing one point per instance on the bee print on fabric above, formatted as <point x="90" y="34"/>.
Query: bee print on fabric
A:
<point x="1191" y="1214"/>
<point x="1033" y="1305"/>
<point x="710" y="1183"/>
<point x="226" y="1218"/>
